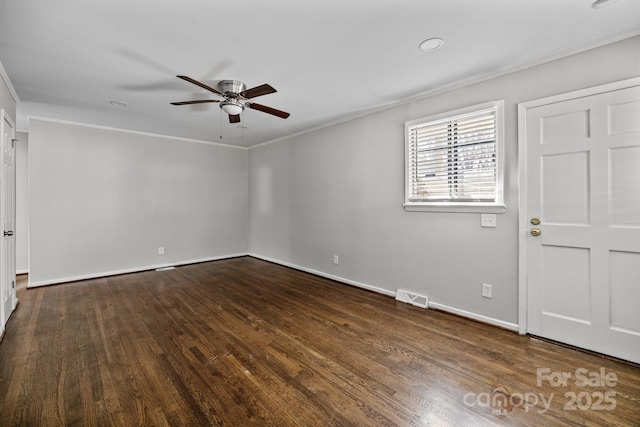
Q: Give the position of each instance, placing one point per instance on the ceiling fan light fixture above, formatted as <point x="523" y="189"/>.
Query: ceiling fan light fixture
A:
<point x="232" y="107"/>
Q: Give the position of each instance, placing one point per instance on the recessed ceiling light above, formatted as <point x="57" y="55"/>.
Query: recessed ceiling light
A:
<point x="118" y="103"/>
<point x="431" y="44"/>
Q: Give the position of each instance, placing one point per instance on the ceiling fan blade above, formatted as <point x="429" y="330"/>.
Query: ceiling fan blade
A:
<point x="202" y="85"/>
<point x="264" y="89"/>
<point x="269" y="110"/>
<point x="234" y="118"/>
<point x="202" y="101"/>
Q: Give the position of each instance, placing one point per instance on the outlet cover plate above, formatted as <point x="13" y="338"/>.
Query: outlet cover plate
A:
<point x="488" y="220"/>
<point x="487" y="290"/>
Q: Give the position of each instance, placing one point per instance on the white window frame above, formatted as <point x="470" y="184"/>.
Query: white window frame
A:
<point x="495" y="206"/>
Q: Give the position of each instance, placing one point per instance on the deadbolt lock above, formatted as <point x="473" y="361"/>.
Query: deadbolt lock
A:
<point x="535" y="221"/>
<point x="535" y="232"/>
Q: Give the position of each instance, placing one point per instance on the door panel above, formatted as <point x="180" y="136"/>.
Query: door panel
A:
<point x="583" y="182"/>
<point x="624" y="117"/>
<point x="566" y="279"/>
<point x="565" y="188"/>
<point x="624" y="291"/>
<point x="560" y="127"/>
<point x="625" y="185"/>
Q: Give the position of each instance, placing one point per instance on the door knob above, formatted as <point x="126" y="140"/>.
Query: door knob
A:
<point x="535" y="232"/>
<point x="535" y="221"/>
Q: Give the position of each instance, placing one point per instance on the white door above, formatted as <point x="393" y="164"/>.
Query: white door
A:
<point x="7" y="216"/>
<point x="583" y="184"/>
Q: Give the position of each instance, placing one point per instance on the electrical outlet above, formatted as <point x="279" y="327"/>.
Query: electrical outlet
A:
<point x="487" y="290"/>
<point x="161" y="250"/>
<point x="336" y="260"/>
<point x="488" y="220"/>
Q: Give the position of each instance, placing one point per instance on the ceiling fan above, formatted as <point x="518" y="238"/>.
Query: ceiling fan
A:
<point x="236" y="98"/>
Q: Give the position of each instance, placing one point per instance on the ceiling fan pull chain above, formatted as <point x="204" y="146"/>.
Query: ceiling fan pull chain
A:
<point x="220" y="123"/>
<point x="244" y="126"/>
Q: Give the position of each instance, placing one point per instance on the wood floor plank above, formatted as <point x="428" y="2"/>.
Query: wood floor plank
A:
<point x="244" y="342"/>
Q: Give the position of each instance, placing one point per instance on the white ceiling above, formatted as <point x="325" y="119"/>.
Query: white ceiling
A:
<point x="329" y="59"/>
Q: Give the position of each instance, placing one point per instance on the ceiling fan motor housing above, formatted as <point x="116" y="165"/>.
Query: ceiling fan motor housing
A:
<point x="231" y="87"/>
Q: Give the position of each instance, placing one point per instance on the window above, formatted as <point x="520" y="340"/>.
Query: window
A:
<point x="454" y="161"/>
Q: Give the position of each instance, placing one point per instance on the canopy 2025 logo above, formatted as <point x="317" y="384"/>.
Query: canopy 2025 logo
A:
<point x="501" y="401"/>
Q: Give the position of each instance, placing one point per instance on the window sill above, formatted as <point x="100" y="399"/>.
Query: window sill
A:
<point x="457" y="207"/>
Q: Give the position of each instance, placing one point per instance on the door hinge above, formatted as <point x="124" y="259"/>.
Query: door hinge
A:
<point x="13" y="142"/>
<point x="13" y="284"/>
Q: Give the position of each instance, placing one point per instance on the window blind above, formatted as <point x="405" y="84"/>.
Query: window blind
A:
<point x="453" y="159"/>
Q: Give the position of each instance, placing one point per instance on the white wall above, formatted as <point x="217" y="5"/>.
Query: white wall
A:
<point x="103" y="201"/>
<point x="340" y="191"/>
<point x="22" y="203"/>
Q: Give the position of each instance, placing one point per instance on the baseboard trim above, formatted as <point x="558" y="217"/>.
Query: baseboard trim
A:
<point x="474" y="316"/>
<point x="436" y="306"/>
<point x="326" y="276"/>
<point x="128" y="270"/>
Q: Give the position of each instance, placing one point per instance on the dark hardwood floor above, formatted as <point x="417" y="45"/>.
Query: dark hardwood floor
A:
<point x="244" y="342"/>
